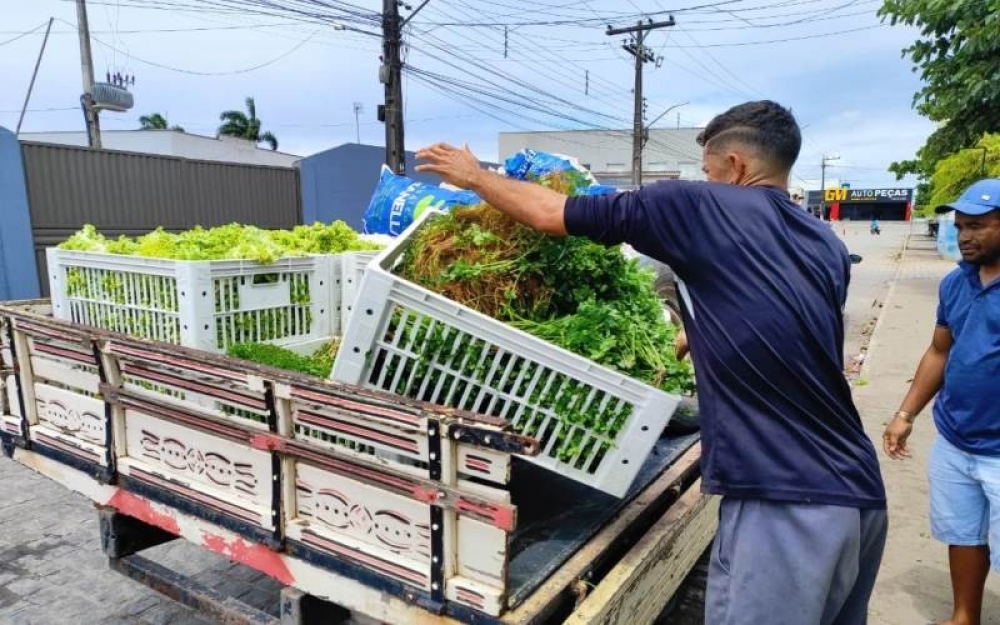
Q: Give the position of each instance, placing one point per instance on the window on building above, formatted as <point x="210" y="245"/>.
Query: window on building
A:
<point x="616" y="167"/>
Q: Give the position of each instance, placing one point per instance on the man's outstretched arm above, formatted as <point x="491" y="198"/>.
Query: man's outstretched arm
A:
<point x="531" y="204"/>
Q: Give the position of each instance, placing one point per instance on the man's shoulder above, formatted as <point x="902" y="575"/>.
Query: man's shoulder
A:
<point x="689" y="188"/>
<point x="953" y="279"/>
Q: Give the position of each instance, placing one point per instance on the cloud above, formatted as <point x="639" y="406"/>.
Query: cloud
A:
<point x="850" y="91"/>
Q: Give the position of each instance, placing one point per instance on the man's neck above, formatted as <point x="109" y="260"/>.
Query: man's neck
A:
<point x="764" y="180"/>
<point x="989" y="272"/>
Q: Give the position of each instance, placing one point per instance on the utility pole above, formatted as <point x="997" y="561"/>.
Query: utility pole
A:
<point x="87" y="66"/>
<point x="822" y="183"/>
<point x="34" y="74"/>
<point x="392" y="66"/>
<point x="391" y="76"/>
<point x="636" y="46"/>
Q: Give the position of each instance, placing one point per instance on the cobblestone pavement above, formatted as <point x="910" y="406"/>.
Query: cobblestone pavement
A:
<point x="52" y="570"/>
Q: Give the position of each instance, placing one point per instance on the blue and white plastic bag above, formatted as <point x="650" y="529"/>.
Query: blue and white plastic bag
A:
<point x="533" y="165"/>
<point x="399" y="200"/>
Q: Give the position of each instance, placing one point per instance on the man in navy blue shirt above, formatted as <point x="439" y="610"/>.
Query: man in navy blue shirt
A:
<point x="962" y="366"/>
<point x="802" y="522"/>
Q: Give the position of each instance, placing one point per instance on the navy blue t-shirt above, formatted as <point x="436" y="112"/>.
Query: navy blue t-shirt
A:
<point x="967" y="411"/>
<point x="764" y="285"/>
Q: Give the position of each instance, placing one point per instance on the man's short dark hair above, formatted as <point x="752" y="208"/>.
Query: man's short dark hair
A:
<point x="764" y="126"/>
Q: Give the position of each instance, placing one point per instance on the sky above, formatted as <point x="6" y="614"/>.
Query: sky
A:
<point x="834" y="62"/>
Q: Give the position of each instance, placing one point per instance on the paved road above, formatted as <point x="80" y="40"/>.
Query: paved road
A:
<point x="871" y="279"/>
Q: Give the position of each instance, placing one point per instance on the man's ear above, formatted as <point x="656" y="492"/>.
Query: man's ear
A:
<point x="737" y="167"/>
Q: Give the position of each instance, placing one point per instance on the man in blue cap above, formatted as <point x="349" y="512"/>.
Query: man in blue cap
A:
<point x="962" y="366"/>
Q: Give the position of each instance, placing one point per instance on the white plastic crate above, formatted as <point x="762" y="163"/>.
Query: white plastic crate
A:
<point x="597" y="426"/>
<point x="208" y="305"/>
<point x="352" y="268"/>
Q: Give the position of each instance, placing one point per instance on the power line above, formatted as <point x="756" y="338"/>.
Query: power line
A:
<point x="200" y="73"/>
<point x="25" y="34"/>
<point x="45" y="110"/>
<point x="189" y="29"/>
<point x="582" y="21"/>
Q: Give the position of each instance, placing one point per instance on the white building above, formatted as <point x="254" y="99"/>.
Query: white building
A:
<point x="173" y="143"/>
<point x="670" y="153"/>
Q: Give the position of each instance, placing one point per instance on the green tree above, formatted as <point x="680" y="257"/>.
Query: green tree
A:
<point x="246" y="126"/>
<point x="955" y="173"/>
<point x="155" y="121"/>
<point x="958" y="57"/>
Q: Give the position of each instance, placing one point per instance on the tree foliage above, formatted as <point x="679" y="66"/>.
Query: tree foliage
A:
<point x="246" y="125"/>
<point x="156" y="121"/>
<point x="956" y="172"/>
<point x="958" y="57"/>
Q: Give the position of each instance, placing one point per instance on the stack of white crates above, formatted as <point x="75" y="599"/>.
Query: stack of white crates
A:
<point x="208" y="305"/>
<point x="596" y="425"/>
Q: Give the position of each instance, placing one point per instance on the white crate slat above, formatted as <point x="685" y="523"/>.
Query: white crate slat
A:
<point x="352" y="269"/>
<point x="208" y="305"/>
<point x="474" y="362"/>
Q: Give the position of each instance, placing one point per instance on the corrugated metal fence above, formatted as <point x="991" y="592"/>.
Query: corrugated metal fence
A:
<point x="127" y="193"/>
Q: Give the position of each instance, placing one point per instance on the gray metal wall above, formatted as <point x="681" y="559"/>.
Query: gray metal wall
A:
<point x="127" y="193"/>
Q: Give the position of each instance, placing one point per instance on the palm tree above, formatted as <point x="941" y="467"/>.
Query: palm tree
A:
<point x="246" y="126"/>
<point x="155" y="121"/>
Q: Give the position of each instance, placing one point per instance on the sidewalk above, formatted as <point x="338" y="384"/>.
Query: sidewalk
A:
<point x="914" y="584"/>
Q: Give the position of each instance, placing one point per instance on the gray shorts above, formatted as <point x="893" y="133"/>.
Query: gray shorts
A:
<point x="793" y="564"/>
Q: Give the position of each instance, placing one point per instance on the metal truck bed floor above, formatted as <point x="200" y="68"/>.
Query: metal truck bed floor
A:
<point x="556" y="516"/>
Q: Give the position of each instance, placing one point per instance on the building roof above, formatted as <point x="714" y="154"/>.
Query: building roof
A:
<point x="167" y="142"/>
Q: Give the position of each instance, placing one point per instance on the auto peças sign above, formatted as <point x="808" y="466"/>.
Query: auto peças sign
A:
<point x="868" y="195"/>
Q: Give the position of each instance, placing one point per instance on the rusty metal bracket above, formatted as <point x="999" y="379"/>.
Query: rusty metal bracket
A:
<point x="216" y="606"/>
<point x="123" y="536"/>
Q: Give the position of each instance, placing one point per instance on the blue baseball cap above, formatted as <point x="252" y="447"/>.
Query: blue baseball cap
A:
<point x="980" y="198"/>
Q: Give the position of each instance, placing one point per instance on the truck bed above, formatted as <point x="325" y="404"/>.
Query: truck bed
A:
<point x="516" y="540"/>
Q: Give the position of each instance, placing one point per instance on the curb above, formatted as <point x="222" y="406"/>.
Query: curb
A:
<point x="873" y="341"/>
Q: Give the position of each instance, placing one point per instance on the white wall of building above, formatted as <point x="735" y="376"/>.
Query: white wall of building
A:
<point x="173" y="143"/>
<point x="670" y="152"/>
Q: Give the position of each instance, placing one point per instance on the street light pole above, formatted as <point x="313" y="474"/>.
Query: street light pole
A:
<point x="358" y="109"/>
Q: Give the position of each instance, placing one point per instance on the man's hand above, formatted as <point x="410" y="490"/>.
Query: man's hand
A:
<point x="458" y="167"/>
<point x="895" y="437"/>
<point x="681" y="345"/>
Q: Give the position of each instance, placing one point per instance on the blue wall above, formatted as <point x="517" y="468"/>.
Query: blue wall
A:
<point x="18" y="273"/>
<point x="338" y="183"/>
